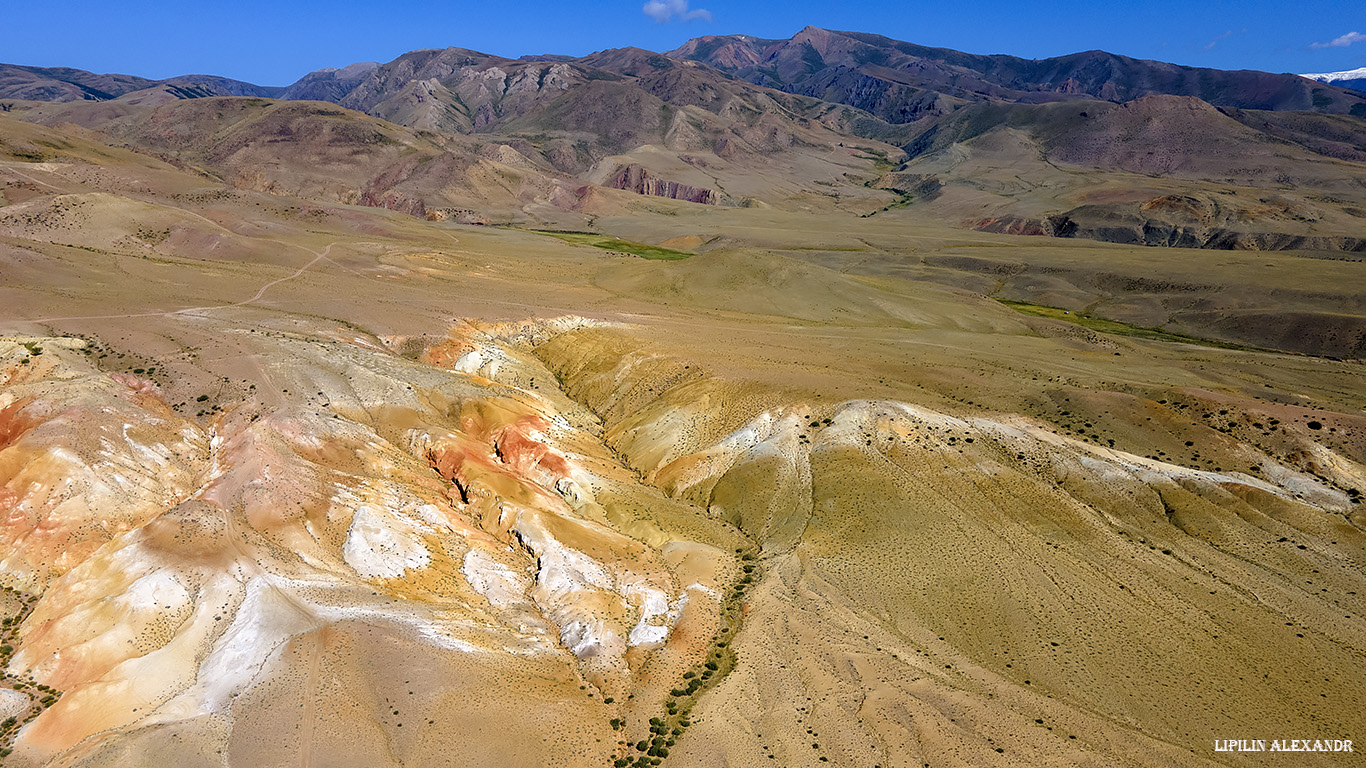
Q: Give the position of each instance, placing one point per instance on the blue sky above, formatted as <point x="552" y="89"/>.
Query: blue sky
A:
<point x="274" y="43"/>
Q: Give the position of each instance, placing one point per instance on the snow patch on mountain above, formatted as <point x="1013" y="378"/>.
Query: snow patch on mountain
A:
<point x="1333" y="77"/>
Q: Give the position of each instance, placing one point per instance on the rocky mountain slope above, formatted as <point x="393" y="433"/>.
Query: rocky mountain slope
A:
<point x="902" y="82"/>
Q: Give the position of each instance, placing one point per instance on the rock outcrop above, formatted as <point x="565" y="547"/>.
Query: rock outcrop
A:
<point x="634" y="178"/>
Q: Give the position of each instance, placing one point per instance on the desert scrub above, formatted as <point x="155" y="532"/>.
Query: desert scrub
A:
<point x="40" y="696"/>
<point x="720" y="660"/>
<point x="1115" y="327"/>
<point x="608" y="243"/>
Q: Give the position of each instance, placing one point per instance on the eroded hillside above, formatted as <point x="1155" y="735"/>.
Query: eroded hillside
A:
<point x="557" y="524"/>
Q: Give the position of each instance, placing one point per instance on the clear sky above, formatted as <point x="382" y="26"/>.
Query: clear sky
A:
<point x="274" y="43"/>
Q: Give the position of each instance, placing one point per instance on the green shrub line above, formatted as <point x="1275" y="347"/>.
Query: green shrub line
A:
<point x="720" y="660"/>
<point x="609" y="243"/>
<point x="1101" y="325"/>
<point x="40" y="696"/>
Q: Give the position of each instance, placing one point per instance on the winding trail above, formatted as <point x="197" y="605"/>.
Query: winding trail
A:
<point x="18" y="172"/>
<point x="317" y="256"/>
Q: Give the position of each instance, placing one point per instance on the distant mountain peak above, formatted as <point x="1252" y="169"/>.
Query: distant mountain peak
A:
<point x="358" y="69"/>
<point x="1334" y="77"/>
<point x="1350" y="78"/>
<point x="1348" y="74"/>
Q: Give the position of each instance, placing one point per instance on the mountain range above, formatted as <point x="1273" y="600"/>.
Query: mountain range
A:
<point x="852" y="120"/>
<point x="895" y="80"/>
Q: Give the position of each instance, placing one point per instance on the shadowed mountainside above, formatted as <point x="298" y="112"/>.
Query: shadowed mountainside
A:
<point x="68" y="84"/>
<point x="903" y="82"/>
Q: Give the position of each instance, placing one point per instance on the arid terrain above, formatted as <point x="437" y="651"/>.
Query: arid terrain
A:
<point x="700" y="409"/>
